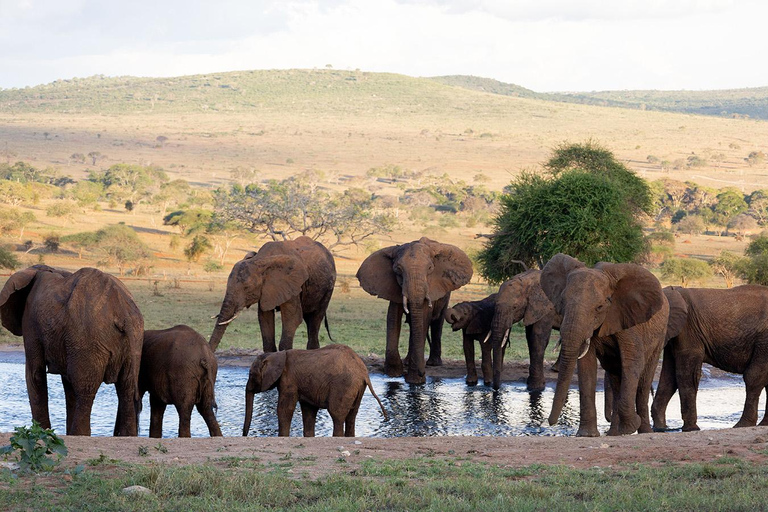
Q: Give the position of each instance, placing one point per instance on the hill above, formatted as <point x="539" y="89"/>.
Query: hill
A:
<point x="750" y="103"/>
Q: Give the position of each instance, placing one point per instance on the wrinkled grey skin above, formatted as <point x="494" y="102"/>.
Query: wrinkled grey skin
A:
<point x="332" y="377"/>
<point x="474" y="319"/>
<point x="725" y="328"/>
<point x="417" y="279"/>
<point x="295" y="277"/>
<point x="178" y="368"/>
<point x="83" y="326"/>
<point x="614" y="313"/>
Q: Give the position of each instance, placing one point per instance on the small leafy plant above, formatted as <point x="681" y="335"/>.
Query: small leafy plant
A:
<point x="34" y="445"/>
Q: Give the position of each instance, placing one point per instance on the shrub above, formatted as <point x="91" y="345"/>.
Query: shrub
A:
<point x="33" y="445"/>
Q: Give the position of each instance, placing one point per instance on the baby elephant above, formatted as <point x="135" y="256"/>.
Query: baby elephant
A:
<point x="179" y="368"/>
<point x="332" y="377"/>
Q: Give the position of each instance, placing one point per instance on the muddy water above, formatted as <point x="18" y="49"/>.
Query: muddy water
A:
<point x="441" y="407"/>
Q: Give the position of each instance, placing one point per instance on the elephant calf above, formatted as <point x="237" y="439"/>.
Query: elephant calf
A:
<point x="474" y="319"/>
<point x="178" y="368"/>
<point x="332" y="377"/>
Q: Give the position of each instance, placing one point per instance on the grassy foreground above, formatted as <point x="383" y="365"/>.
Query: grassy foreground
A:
<point x="415" y="484"/>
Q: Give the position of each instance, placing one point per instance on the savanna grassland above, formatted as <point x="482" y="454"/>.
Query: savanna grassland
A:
<point x="339" y="125"/>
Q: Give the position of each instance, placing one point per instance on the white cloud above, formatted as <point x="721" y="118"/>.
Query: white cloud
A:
<point x="546" y="45"/>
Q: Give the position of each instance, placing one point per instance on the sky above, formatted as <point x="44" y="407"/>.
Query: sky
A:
<point x="544" y="45"/>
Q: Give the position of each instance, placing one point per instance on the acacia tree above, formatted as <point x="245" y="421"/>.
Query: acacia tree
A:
<point x="685" y="270"/>
<point x="581" y="211"/>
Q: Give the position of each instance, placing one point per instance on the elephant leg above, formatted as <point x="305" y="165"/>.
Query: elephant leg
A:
<point x="156" y="414"/>
<point x="608" y="398"/>
<point x="291" y="318"/>
<point x="286" y="404"/>
<point x="349" y="420"/>
<point x="185" y="419"/>
<point x="267" y="328"/>
<point x="126" y="423"/>
<point x="755" y="382"/>
<point x="469" y="358"/>
<point x="613" y="389"/>
<point x="436" y="346"/>
<point x="338" y="422"/>
<point x="37" y="389"/>
<point x="205" y="408"/>
<point x="632" y="365"/>
<point x="643" y="397"/>
<point x="486" y="362"/>
<point x="537" y="336"/>
<point x="393" y="365"/>
<point x="308" y="418"/>
<point x="665" y="390"/>
<point x="587" y="389"/>
<point x="688" y="375"/>
<point x="314" y="322"/>
<point x="69" y="394"/>
<point x="81" y="416"/>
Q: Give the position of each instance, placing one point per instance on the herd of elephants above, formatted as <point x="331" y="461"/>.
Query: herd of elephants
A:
<point x="85" y="326"/>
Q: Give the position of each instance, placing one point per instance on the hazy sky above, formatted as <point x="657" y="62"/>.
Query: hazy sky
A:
<point x="545" y="45"/>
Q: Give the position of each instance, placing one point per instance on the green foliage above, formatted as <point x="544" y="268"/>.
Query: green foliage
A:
<point x="758" y="246"/>
<point x="754" y="267"/>
<point x="62" y="209"/>
<point x="129" y="182"/>
<point x="574" y="211"/>
<point x="12" y="219"/>
<point x="685" y="270"/>
<point x="691" y="224"/>
<point x="728" y="265"/>
<point x="197" y="247"/>
<point x="22" y="172"/>
<point x="189" y="221"/>
<point x="117" y="244"/>
<point x="8" y="259"/>
<point x="33" y="445"/>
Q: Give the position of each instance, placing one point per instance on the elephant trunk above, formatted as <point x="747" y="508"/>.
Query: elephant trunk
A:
<point x="500" y="327"/>
<point x="226" y="315"/>
<point x="249" y="396"/>
<point x="574" y="347"/>
<point x="417" y="341"/>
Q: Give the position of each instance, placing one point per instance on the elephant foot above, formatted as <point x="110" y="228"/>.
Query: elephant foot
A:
<point x="471" y="382"/>
<point x="434" y="361"/>
<point x="629" y="427"/>
<point x="645" y="429"/>
<point x="745" y="423"/>
<point x="415" y="378"/>
<point x="393" y="368"/>
<point x="690" y="428"/>
<point x="661" y="427"/>
<point x="588" y="432"/>
<point x="534" y="384"/>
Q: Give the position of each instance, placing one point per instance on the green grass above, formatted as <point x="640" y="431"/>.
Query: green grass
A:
<point x="355" y="319"/>
<point x="413" y="484"/>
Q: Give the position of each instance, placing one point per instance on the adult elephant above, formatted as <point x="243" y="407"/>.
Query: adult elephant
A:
<point x="417" y="279"/>
<point x="295" y="277"/>
<point x="725" y="328"/>
<point x="474" y="319"/>
<point x="521" y="299"/>
<point x="84" y="326"/>
<point x="615" y="313"/>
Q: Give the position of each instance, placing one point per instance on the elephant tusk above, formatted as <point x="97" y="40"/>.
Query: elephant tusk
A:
<point x="227" y="321"/>
<point x="586" y="348"/>
<point x="505" y="340"/>
<point x="214" y="316"/>
<point x="429" y="301"/>
<point x="405" y="305"/>
<point x="486" y="337"/>
<point x="557" y="345"/>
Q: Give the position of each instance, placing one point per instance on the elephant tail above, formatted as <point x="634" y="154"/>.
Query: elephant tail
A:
<point x="370" y="387"/>
<point x="325" y="319"/>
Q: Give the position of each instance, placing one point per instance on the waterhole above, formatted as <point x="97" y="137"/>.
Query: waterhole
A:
<point x="441" y="407"/>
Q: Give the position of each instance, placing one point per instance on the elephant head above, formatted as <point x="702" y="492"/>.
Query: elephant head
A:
<point x="13" y="297"/>
<point x="268" y="280"/>
<point x="469" y="316"/>
<point x="519" y="299"/>
<point x="594" y="302"/>
<point x="678" y="312"/>
<point x="263" y="376"/>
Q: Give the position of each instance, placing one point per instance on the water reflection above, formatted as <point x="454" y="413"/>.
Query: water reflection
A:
<point x="438" y="408"/>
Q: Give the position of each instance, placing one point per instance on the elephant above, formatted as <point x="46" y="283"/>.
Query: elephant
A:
<point x="332" y="377"/>
<point x="179" y="368"/>
<point x="83" y="326"/>
<point x="295" y="277"/>
<point x="521" y="299"/>
<point x="727" y="328"/>
<point x="615" y="313"/>
<point x="474" y="319"/>
<point x="417" y="279"/>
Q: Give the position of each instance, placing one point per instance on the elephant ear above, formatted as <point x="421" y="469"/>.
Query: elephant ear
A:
<point x="283" y="278"/>
<point x="272" y="368"/>
<point x="636" y="297"/>
<point x="13" y="297"/>
<point x="484" y="311"/>
<point x="377" y="276"/>
<point x="453" y="269"/>
<point x="554" y="277"/>
<point x="538" y="304"/>
<point x="678" y="312"/>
